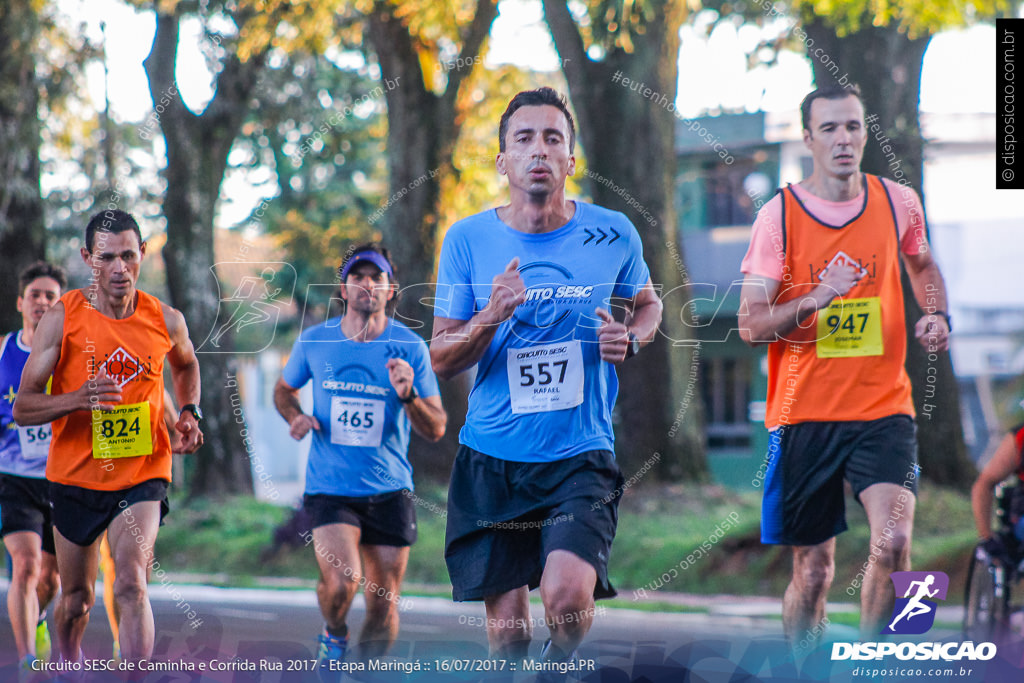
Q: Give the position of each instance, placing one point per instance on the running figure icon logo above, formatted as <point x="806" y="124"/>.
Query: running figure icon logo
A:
<point x="914" y="612"/>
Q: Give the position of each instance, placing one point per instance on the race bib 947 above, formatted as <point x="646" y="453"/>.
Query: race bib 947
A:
<point x="850" y="327"/>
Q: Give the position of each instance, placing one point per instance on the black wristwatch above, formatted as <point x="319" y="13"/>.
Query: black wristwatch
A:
<point x="634" y="346"/>
<point x="194" y="409"/>
<point x="949" y="320"/>
<point x="410" y="398"/>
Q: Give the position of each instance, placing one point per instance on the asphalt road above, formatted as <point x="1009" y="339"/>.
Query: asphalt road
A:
<point x="248" y="636"/>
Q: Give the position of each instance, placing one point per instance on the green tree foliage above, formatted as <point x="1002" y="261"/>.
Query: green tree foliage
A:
<point x="321" y="125"/>
<point x="410" y="44"/>
<point x="328" y="167"/>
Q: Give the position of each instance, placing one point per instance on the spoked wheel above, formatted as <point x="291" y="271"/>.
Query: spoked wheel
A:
<point x="986" y="599"/>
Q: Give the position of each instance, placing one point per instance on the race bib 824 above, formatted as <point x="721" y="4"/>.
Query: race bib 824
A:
<point x="122" y="432"/>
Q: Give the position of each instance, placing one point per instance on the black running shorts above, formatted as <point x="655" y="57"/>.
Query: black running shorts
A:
<point x="81" y="515"/>
<point x="504" y="517"/>
<point x="25" y="506"/>
<point x="383" y="519"/>
<point x="803" y="497"/>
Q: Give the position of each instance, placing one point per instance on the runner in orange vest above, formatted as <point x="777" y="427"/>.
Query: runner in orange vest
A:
<point x="110" y="457"/>
<point x="823" y="289"/>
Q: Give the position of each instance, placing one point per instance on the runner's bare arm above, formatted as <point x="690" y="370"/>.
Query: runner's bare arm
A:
<point x="33" y="405"/>
<point x="643" y="316"/>
<point x="426" y="414"/>
<point x="428" y="417"/>
<point x="185" y="376"/>
<point x="930" y="292"/>
<point x="460" y="344"/>
<point x="286" y="400"/>
<point x="171" y="419"/>
<point x="761" y="321"/>
<point x="1003" y="463"/>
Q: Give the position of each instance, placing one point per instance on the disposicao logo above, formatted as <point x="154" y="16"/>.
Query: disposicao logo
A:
<point x="914" y="612"/>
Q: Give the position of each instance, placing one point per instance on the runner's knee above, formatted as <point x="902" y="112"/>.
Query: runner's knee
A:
<point x="78" y="602"/>
<point x="814" y="575"/>
<point x="896" y="551"/>
<point x="129" y="590"/>
<point x="566" y="602"/>
<point x="26" y="569"/>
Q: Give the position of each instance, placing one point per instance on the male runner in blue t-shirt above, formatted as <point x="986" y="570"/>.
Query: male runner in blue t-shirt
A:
<point x="371" y="382"/>
<point x="25" y="523"/>
<point x="523" y="294"/>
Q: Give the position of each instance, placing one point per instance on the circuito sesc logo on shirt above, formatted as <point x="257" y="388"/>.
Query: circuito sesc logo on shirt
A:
<point x="552" y="294"/>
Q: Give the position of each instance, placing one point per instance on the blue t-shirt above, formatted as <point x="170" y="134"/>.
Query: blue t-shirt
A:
<point x="23" y="450"/>
<point x="542" y="392"/>
<point x="362" y="446"/>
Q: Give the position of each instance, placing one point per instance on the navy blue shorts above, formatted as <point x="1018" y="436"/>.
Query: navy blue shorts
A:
<point x="25" y="506"/>
<point x="803" y="492"/>
<point x="505" y="517"/>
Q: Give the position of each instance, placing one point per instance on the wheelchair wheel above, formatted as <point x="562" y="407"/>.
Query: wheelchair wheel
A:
<point x="986" y="598"/>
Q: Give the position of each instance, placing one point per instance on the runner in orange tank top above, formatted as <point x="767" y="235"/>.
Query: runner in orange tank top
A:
<point x="110" y="457"/>
<point x="823" y="289"/>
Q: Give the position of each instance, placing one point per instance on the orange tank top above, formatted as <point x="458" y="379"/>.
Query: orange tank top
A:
<point x="112" y="450"/>
<point x="846" y="362"/>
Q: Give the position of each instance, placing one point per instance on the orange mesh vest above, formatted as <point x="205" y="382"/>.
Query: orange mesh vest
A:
<point x="845" y="362"/>
<point x="112" y="450"/>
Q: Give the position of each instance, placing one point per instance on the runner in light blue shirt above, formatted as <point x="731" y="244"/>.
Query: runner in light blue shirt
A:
<point x="372" y="384"/>
<point x="542" y="391"/>
<point x="524" y="296"/>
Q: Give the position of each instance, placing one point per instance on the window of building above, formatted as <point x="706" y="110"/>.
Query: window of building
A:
<point x="726" y="384"/>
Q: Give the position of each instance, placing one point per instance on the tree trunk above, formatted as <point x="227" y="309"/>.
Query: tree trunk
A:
<point x="886" y="64"/>
<point x="416" y="133"/>
<point x="197" y="150"/>
<point x="628" y="138"/>
<point x="422" y="130"/>
<point x="22" y="229"/>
